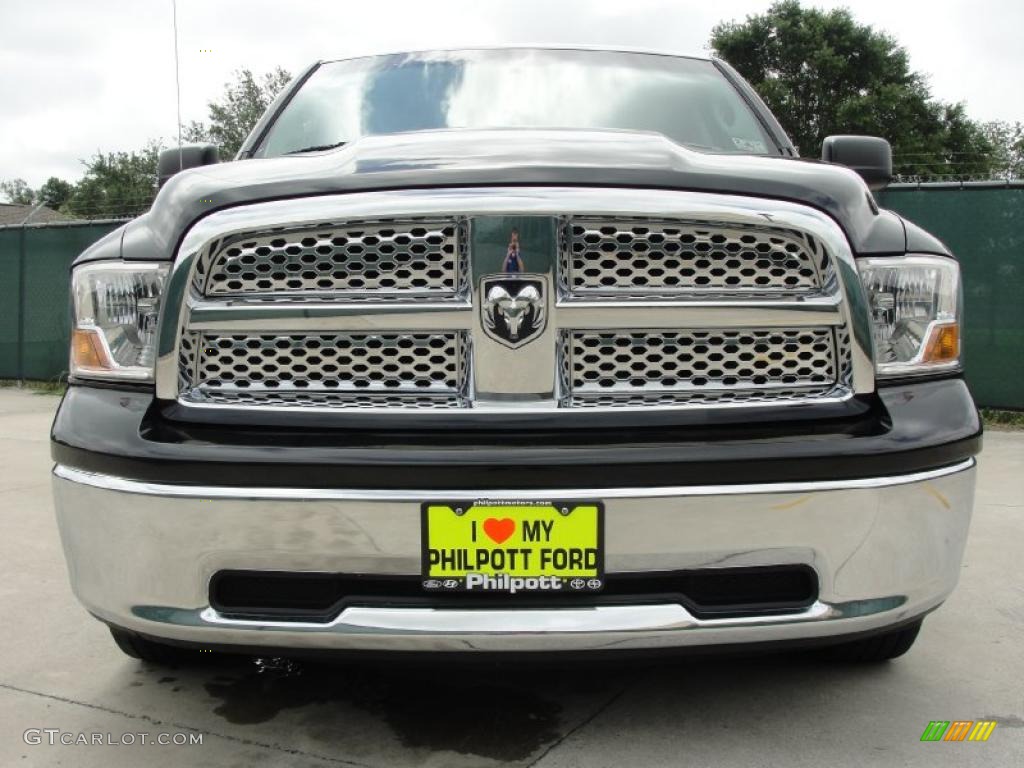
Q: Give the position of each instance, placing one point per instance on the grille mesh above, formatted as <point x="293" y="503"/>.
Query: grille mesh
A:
<point x="675" y="361"/>
<point x="188" y="351"/>
<point x="601" y="255"/>
<point x="295" y="366"/>
<point x="403" y="257"/>
<point x="710" y="398"/>
<point x="268" y="399"/>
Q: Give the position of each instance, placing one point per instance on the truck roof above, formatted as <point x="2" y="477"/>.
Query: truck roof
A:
<point x="527" y="46"/>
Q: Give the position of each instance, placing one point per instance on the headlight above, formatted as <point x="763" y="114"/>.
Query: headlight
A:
<point x="915" y="306"/>
<point x="116" y="306"/>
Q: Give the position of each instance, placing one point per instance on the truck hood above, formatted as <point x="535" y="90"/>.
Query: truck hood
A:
<point x="454" y="158"/>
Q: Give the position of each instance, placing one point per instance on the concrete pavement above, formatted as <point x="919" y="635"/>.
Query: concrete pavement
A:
<point x="60" y="670"/>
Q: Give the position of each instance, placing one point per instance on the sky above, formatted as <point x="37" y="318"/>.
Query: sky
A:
<point x="81" y="76"/>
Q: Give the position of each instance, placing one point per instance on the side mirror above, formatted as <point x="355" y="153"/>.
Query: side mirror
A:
<point x="869" y="156"/>
<point x="171" y="161"/>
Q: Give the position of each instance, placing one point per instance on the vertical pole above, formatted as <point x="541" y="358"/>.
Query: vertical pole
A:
<point x="177" y="76"/>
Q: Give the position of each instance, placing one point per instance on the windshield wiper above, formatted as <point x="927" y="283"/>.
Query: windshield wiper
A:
<point x="317" y="148"/>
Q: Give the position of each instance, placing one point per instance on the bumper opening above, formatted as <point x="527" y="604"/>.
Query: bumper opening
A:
<point x="706" y="593"/>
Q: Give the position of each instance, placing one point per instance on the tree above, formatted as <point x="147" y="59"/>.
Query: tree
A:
<point x="116" y="184"/>
<point x="236" y="112"/>
<point x="17" y="191"/>
<point x="55" y="192"/>
<point x="1008" y="142"/>
<point x="822" y="73"/>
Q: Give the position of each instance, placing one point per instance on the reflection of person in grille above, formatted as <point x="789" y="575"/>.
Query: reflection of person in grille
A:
<point x="513" y="261"/>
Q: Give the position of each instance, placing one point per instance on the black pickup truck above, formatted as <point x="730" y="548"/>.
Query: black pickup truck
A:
<point x="516" y="350"/>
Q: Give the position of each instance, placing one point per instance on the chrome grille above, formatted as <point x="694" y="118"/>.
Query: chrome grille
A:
<point x="742" y="304"/>
<point x="274" y="368"/>
<point x="684" y="363"/>
<point x="401" y="257"/>
<point x="615" y="256"/>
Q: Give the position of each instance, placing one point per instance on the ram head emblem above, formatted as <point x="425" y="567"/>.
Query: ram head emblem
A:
<point x="513" y="309"/>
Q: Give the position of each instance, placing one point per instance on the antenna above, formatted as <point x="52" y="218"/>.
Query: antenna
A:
<point x="177" y="79"/>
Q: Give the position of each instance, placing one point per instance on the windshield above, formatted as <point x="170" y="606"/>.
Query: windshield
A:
<point x="687" y="100"/>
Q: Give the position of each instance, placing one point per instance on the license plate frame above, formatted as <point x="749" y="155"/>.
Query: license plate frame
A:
<point x="574" y="562"/>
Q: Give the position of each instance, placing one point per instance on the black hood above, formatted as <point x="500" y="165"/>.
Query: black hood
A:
<point x="461" y="158"/>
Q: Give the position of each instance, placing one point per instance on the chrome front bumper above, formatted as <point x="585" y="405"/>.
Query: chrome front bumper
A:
<point x="885" y="550"/>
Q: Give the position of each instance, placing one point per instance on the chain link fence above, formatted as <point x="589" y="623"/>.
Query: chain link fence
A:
<point x="1004" y="164"/>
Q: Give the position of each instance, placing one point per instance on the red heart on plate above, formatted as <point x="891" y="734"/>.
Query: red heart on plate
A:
<point x="499" y="530"/>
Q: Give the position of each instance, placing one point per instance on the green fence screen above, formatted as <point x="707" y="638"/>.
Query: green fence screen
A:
<point x="35" y="316"/>
<point x="984" y="225"/>
<point x="10" y="303"/>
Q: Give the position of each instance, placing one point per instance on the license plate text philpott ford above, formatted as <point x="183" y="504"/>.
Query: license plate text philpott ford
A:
<point x="490" y="546"/>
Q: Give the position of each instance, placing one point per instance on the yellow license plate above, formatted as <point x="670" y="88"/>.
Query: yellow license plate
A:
<point x="497" y="546"/>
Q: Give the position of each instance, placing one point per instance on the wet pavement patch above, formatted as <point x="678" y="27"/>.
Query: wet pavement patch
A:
<point x="502" y="713"/>
<point x="466" y="715"/>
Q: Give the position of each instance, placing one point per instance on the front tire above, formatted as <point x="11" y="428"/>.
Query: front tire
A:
<point x="150" y="651"/>
<point x="878" y="648"/>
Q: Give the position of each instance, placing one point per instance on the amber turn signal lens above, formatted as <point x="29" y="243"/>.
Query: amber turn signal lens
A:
<point x="87" y="351"/>
<point x="944" y="344"/>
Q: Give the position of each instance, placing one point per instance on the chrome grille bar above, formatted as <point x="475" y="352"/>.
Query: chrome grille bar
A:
<point x="337" y="316"/>
<point x="658" y="313"/>
<point x="241" y="316"/>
